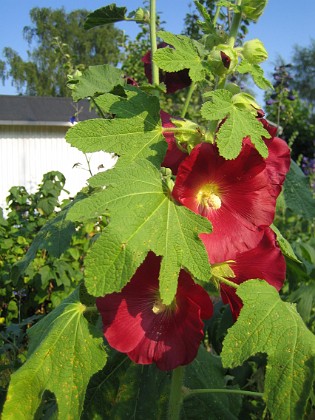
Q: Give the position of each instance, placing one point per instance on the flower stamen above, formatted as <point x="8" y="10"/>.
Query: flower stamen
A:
<point x="208" y="197"/>
<point x="158" y="307"/>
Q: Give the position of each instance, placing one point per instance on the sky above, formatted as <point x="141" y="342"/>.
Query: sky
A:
<point x="285" y="23"/>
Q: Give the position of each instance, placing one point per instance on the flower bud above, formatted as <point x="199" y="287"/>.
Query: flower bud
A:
<point x="223" y="59"/>
<point x="254" y="51"/>
<point x="190" y="136"/>
<point x="253" y="9"/>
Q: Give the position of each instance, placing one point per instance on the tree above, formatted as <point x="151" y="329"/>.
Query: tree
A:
<point x="304" y="71"/>
<point x="288" y="109"/>
<point x="58" y="44"/>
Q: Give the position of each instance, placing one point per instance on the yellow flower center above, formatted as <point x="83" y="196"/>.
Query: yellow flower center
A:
<point x="158" y="307"/>
<point x="209" y="197"/>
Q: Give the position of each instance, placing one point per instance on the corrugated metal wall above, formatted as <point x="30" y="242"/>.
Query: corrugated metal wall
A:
<point x="28" y="152"/>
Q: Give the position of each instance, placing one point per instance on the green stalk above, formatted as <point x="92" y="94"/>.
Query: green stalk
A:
<point x="176" y="393"/>
<point x="155" y="69"/>
<point x="237" y="17"/>
<point x="179" y="130"/>
<point x="227" y="282"/>
<point x="188" y="98"/>
<point x="216" y="15"/>
<point x="192" y="392"/>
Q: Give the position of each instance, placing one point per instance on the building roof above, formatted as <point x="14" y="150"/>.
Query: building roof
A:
<point x="42" y="110"/>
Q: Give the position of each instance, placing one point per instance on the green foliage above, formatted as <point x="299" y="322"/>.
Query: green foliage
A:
<point x="96" y="80"/>
<point x="206" y="372"/>
<point x="105" y="15"/>
<point x="58" y="36"/>
<point x="137" y="135"/>
<point x="184" y="55"/>
<point x="297" y="194"/>
<point x="303" y="68"/>
<point x="274" y="327"/>
<point x="55" y="258"/>
<point x="239" y="123"/>
<point x="122" y="247"/>
<point x="256" y="72"/>
<point x="62" y="356"/>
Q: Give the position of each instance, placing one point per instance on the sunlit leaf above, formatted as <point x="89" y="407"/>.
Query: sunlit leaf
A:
<point x="268" y="325"/>
<point x="239" y="123"/>
<point x="142" y="218"/>
<point x="63" y="355"/>
<point x="105" y="15"/>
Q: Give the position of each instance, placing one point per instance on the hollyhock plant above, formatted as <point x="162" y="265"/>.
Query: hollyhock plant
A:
<point x="235" y="195"/>
<point x="136" y="322"/>
<point x="174" y="80"/>
<point x="174" y="156"/>
<point x="265" y="261"/>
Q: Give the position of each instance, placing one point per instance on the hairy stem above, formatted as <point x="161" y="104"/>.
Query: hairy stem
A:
<point x="237" y="18"/>
<point x="155" y="69"/>
<point x="188" y="98"/>
<point x="176" y="393"/>
<point x="192" y="392"/>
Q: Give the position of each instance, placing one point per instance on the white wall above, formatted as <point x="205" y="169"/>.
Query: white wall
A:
<point x="28" y="152"/>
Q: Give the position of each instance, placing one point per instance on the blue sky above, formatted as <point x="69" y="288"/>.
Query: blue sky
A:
<point x="284" y="24"/>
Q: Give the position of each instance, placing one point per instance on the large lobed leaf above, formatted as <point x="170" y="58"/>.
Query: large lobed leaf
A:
<point x="257" y="74"/>
<point x="267" y="324"/>
<point x="63" y="355"/>
<point x="184" y="55"/>
<point x="239" y="123"/>
<point x="96" y="80"/>
<point x="126" y="390"/>
<point x="136" y="135"/>
<point x="143" y="218"/>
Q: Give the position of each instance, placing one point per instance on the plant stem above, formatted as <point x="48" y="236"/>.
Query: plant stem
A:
<point x="176" y="394"/>
<point x="90" y="309"/>
<point x="227" y="282"/>
<point x="188" y="98"/>
<point x="179" y="130"/>
<point x="237" y="18"/>
<point x="191" y="392"/>
<point x="155" y="69"/>
<point x="216" y="15"/>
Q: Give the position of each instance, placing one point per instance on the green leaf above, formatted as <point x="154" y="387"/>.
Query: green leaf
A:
<point x="304" y="297"/>
<point x="63" y="355"/>
<point x="257" y="74"/>
<point x="55" y="236"/>
<point x="103" y="388"/>
<point x="239" y="123"/>
<point x="297" y="193"/>
<point x="285" y="246"/>
<point x="143" y="218"/>
<point x="136" y="136"/>
<point x="184" y="55"/>
<point x="206" y="372"/>
<point x="105" y="15"/>
<point x="266" y="324"/>
<point x="96" y="80"/>
<point x="143" y="394"/>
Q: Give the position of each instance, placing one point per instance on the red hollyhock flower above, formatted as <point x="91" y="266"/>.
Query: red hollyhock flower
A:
<point x="174" y="156"/>
<point x="265" y="261"/>
<point x="136" y="322"/>
<point x="279" y="157"/>
<point x="235" y="195"/>
<point x="174" y="81"/>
